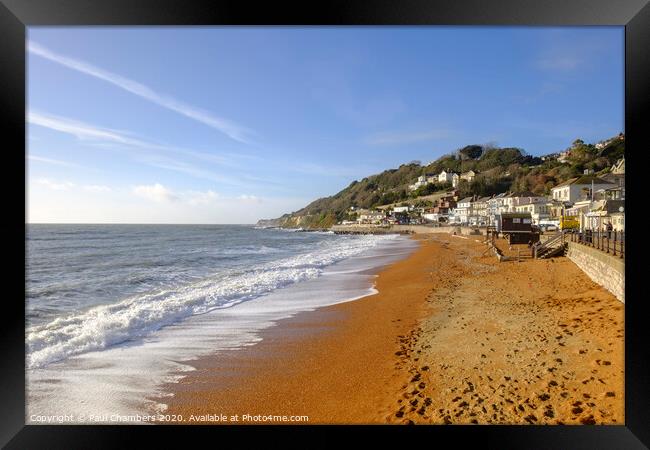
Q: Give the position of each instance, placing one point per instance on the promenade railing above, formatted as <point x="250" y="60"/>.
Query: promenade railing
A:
<point x="612" y="242"/>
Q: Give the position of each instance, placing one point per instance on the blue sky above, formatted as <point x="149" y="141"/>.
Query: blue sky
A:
<point x="229" y="125"/>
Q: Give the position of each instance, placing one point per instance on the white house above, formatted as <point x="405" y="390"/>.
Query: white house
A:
<point x="538" y="210"/>
<point x="468" y="176"/>
<point x="401" y="209"/>
<point x="619" y="167"/>
<point x="455" y="179"/>
<point x="446" y="176"/>
<point x="423" y="180"/>
<point x="574" y="189"/>
<point x="463" y="210"/>
<point x="514" y="199"/>
<point x="480" y="211"/>
<point x="495" y="206"/>
<point x="371" y="217"/>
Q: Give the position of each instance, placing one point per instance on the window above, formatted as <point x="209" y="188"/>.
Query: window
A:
<point x="526" y="220"/>
<point x="516" y="220"/>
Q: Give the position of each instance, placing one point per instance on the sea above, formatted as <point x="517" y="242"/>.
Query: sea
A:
<point x="116" y="312"/>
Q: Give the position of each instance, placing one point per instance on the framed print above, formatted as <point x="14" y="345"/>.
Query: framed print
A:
<point x="352" y="214"/>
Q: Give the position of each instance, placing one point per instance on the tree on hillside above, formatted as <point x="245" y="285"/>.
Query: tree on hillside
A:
<point x="470" y="152"/>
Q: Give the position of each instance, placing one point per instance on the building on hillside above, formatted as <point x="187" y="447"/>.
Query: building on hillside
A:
<point x="574" y="189"/>
<point x="602" y="144"/>
<point x="563" y="156"/>
<point x="619" y="167"/>
<point x="423" y="180"/>
<point x="455" y="179"/>
<point x="468" y="176"/>
<point x="446" y="176"/>
<point x="616" y="174"/>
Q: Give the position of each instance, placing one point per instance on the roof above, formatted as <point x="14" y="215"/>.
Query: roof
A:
<point x="466" y="199"/>
<point x="523" y="194"/>
<point x="585" y="179"/>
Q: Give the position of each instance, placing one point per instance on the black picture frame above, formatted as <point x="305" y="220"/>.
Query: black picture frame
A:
<point x="16" y="15"/>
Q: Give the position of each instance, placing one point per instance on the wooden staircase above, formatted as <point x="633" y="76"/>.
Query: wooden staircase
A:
<point x="551" y="247"/>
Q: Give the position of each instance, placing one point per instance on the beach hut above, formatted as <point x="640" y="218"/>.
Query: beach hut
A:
<point x="517" y="228"/>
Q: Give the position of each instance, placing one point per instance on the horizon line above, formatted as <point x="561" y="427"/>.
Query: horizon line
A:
<point x="130" y="223"/>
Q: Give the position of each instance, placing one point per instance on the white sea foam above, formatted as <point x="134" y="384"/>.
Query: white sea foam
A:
<point x="132" y="318"/>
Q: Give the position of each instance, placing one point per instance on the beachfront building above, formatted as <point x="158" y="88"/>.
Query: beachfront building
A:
<point x="371" y="217"/>
<point x="538" y="210"/>
<point x="479" y="215"/>
<point x="576" y="188"/>
<point x="557" y="208"/>
<point x="463" y="211"/>
<point x="514" y="199"/>
<point x="601" y="213"/>
<point x="402" y="209"/>
<point x="618" y="220"/>
<point x="495" y="206"/>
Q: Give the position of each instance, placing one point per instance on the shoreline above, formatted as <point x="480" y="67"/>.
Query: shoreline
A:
<point x="396" y="357"/>
<point x="305" y="364"/>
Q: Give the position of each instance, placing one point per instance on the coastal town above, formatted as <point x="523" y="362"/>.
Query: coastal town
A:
<point x="585" y="203"/>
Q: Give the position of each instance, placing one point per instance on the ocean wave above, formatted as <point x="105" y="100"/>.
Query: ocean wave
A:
<point x="135" y="317"/>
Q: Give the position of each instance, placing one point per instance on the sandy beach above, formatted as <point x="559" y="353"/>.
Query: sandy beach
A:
<point x="453" y="336"/>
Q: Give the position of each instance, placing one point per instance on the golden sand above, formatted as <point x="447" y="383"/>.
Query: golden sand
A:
<point x="453" y="336"/>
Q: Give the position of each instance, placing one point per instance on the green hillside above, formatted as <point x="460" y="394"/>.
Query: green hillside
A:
<point x="498" y="170"/>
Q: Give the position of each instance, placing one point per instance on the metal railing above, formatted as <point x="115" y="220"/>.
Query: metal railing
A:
<point x="612" y="242"/>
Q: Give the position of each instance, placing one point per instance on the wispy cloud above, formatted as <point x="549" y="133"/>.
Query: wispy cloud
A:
<point x="155" y="192"/>
<point x="249" y="198"/>
<point x="99" y="135"/>
<point x="228" y="127"/>
<point x="68" y="185"/>
<point x="54" y="185"/>
<point x="163" y="162"/>
<point x="84" y="131"/>
<point x="409" y="137"/>
<point x="55" y="162"/>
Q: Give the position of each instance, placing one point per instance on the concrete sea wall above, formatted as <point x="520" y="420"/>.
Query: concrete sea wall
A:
<point x="601" y="267"/>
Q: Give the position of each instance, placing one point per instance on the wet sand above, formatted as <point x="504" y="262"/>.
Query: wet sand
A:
<point x="453" y="336"/>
